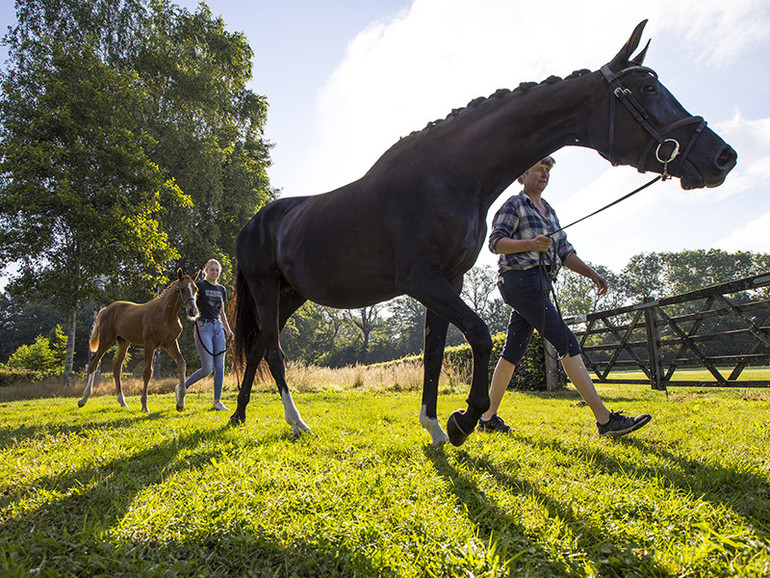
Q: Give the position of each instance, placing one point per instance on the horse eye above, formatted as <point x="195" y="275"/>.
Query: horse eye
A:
<point x="650" y="89"/>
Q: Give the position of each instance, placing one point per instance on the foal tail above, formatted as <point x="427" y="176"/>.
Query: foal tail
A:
<point x="243" y="309"/>
<point x="93" y="341"/>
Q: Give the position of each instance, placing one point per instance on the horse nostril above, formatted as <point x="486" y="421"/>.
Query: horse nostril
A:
<point x="726" y="158"/>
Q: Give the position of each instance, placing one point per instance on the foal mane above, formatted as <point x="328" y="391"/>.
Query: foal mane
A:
<point x="168" y="288"/>
<point x="523" y="88"/>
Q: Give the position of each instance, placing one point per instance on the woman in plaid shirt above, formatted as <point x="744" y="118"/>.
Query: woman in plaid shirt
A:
<point x="530" y="257"/>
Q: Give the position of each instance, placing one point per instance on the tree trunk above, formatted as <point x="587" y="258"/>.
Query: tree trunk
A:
<point x="72" y="318"/>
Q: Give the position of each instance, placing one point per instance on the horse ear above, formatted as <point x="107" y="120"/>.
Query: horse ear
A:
<point x="639" y="58"/>
<point x="622" y="58"/>
<point x="179" y="273"/>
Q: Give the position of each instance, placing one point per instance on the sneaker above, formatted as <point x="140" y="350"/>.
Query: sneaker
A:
<point x="219" y="406"/>
<point x="619" y="424"/>
<point x="493" y="424"/>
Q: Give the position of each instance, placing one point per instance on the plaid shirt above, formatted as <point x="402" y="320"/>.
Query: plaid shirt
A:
<point x="518" y="218"/>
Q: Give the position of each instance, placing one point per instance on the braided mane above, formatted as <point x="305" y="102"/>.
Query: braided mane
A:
<point x="500" y="93"/>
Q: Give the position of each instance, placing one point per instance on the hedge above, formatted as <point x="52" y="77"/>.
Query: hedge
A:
<point x="9" y="376"/>
<point x="458" y="360"/>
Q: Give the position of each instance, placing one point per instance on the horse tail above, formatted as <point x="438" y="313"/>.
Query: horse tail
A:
<point x="243" y="309"/>
<point x="93" y="341"/>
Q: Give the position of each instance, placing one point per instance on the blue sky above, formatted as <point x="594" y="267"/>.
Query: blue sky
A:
<point x="345" y="79"/>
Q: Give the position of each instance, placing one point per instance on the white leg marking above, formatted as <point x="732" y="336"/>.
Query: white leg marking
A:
<point x="122" y="400"/>
<point x="181" y="391"/>
<point x="434" y="429"/>
<point x="87" y="390"/>
<point x="292" y="415"/>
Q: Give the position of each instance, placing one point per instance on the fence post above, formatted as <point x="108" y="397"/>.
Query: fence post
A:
<point x="653" y="344"/>
<point x="553" y="375"/>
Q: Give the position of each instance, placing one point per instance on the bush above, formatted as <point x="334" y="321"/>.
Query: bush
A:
<point x="44" y="355"/>
<point x="458" y="360"/>
<point x="10" y="376"/>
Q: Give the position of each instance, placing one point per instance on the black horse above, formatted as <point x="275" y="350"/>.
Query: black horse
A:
<point x="416" y="221"/>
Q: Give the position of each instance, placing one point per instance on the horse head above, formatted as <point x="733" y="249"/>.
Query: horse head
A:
<point x="650" y="130"/>
<point x="186" y="292"/>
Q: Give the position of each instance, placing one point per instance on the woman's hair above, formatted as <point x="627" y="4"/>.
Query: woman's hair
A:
<point x="548" y="161"/>
<point x="212" y="262"/>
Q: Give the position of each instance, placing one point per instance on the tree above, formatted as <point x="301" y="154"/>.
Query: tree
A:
<point x="108" y="107"/>
<point x="577" y="294"/>
<point x="80" y="197"/>
<point x="207" y="128"/>
<point x="642" y="277"/>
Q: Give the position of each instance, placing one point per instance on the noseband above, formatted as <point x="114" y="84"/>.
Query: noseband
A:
<point x="183" y="301"/>
<point x="639" y="113"/>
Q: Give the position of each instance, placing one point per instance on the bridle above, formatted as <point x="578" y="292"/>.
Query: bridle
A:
<point x="182" y="300"/>
<point x="632" y="104"/>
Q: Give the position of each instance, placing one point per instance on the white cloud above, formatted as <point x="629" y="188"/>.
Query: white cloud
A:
<point x="754" y="234"/>
<point x="400" y="74"/>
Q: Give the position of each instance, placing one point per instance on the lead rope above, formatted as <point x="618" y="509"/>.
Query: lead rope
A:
<point x="544" y="270"/>
<point x="206" y="349"/>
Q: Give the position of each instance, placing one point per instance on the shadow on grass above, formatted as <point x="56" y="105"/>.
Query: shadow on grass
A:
<point x="744" y="492"/>
<point x="67" y="534"/>
<point x="494" y="523"/>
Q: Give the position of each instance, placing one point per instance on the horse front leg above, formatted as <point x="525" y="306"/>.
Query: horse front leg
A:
<point x="181" y="365"/>
<point x="433" y="358"/>
<point x="433" y="290"/>
<point x="148" y="353"/>
<point x="117" y="368"/>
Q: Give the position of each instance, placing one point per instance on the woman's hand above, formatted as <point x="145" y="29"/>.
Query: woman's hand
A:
<point x="541" y="243"/>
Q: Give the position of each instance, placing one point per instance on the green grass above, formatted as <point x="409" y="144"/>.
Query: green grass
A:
<point x="112" y="492"/>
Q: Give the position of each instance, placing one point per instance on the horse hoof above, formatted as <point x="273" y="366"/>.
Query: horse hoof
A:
<point x="236" y="420"/>
<point x="457" y="433"/>
<point x="82" y="402"/>
<point x="180" y="393"/>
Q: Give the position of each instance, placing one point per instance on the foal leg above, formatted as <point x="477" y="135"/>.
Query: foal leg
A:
<point x="149" y="350"/>
<point x="93" y="365"/>
<point x="181" y="365"/>
<point x="117" y="366"/>
<point x="435" y="339"/>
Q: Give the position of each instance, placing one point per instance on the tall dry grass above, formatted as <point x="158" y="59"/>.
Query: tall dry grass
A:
<point x="406" y="376"/>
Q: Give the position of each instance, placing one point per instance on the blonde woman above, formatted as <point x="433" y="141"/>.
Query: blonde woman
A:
<point x="211" y="331"/>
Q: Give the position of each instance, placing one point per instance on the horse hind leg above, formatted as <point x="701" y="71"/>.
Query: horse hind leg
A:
<point x="271" y="316"/>
<point x="117" y="366"/>
<point x="93" y="365"/>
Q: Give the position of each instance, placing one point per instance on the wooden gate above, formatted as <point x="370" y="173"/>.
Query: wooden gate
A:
<point x="723" y="328"/>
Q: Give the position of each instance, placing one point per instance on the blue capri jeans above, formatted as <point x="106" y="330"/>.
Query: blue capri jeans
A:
<point x="527" y="292"/>
<point x="210" y="336"/>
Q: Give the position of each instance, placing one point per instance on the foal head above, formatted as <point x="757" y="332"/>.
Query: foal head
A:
<point x="186" y="291"/>
<point x="648" y="128"/>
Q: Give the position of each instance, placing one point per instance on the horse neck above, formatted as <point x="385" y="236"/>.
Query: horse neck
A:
<point x="498" y="142"/>
<point x="169" y="301"/>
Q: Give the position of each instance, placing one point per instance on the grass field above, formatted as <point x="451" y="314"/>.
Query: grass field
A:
<point x="105" y="491"/>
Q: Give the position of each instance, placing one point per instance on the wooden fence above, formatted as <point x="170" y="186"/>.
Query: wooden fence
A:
<point x="723" y="328"/>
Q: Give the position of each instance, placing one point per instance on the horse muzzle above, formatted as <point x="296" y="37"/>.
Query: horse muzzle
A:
<point x="710" y="173"/>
